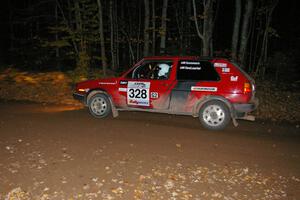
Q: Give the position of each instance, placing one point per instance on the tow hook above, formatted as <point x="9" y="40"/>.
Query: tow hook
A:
<point x="248" y="118"/>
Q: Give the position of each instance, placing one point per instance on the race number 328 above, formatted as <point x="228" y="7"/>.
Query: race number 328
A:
<point x="138" y="93"/>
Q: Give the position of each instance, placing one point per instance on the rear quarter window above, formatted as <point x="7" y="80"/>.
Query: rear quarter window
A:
<point x="195" y="70"/>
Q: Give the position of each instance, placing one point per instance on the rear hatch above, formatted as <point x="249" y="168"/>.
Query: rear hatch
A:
<point x="251" y="87"/>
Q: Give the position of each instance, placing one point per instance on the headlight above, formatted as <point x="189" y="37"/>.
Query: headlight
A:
<point x="83" y="89"/>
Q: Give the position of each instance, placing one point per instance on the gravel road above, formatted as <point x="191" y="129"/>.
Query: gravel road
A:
<point x="59" y="152"/>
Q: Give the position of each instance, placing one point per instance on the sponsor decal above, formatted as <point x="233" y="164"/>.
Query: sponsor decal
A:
<point x="225" y="70"/>
<point x="204" y="89"/>
<point x="190" y="67"/>
<point x="220" y="65"/>
<point x="107" y="83"/>
<point x="123" y="82"/>
<point x="190" y="63"/>
<point x="234" y="78"/>
<point x="138" y="103"/>
<point x="138" y="93"/>
<point x="133" y="84"/>
<point x="123" y="89"/>
<point x="154" y="95"/>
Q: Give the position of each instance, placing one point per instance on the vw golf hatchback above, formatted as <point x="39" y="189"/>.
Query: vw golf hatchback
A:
<point x="215" y="90"/>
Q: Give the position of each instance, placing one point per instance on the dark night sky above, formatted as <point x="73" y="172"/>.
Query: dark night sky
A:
<point x="285" y="21"/>
<point x="4" y="31"/>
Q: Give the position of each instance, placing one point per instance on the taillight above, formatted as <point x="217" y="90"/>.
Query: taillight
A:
<point x="247" y="88"/>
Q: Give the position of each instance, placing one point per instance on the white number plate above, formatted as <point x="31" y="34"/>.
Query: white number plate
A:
<point x="138" y="93"/>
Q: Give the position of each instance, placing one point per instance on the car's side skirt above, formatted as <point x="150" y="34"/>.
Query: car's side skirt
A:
<point x="155" y="111"/>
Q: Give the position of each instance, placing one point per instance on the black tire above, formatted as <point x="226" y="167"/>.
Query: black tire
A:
<point x="214" y="115"/>
<point x="99" y="106"/>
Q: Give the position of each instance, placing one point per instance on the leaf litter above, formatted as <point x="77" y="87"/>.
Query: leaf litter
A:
<point x="158" y="181"/>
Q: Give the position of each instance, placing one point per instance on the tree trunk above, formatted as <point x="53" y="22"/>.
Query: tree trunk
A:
<point x="205" y="47"/>
<point x="245" y="31"/>
<point x="83" y="58"/>
<point x="112" y="38"/>
<point x="188" y="37"/>
<point x="208" y="25"/>
<point x="180" y="27"/>
<point x="153" y="28"/>
<point x="116" y="36"/>
<point x="78" y="23"/>
<point x="68" y="23"/>
<point x="205" y="33"/>
<point x="253" y="45"/>
<point x="264" y="47"/>
<point x="236" y="29"/>
<point x="146" y="28"/>
<point x="102" y="42"/>
<point x="56" y="38"/>
<point x="138" y="39"/>
<point x="199" y="32"/>
<point x="163" y="30"/>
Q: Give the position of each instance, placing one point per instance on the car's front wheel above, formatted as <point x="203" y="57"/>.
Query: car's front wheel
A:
<point x="214" y="115"/>
<point x="99" y="106"/>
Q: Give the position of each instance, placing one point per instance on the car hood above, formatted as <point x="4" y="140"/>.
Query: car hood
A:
<point x="96" y="83"/>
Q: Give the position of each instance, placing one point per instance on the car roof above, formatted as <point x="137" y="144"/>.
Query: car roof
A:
<point x="170" y="57"/>
<point x="182" y="57"/>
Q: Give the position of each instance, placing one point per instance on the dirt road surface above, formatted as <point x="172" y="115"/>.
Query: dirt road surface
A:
<point x="58" y="152"/>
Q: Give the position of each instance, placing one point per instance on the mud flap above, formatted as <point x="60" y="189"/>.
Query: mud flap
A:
<point x="235" y="123"/>
<point x="114" y="110"/>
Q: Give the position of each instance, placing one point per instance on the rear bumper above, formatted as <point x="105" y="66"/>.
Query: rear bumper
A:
<point x="245" y="107"/>
<point x="79" y="97"/>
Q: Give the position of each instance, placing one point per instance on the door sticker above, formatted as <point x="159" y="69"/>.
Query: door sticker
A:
<point x="123" y="82"/>
<point x="122" y="89"/>
<point x="205" y="89"/>
<point x="225" y="70"/>
<point x="154" y="95"/>
<point x="234" y="78"/>
<point x="220" y="65"/>
<point x="138" y="93"/>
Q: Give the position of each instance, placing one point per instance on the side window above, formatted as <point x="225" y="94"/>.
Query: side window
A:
<point x="153" y="70"/>
<point x="196" y="70"/>
<point x="141" y="72"/>
<point x="162" y="71"/>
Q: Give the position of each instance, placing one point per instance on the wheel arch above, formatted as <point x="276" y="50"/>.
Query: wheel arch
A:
<point x="208" y="98"/>
<point x="92" y="92"/>
<point x="102" y="91"/>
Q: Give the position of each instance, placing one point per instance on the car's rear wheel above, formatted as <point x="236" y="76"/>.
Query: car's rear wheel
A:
<point x="214" y="115"/>
<point x="99" y="106"/>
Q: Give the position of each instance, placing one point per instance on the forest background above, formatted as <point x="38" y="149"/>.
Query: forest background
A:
<point x="85" y="39"/>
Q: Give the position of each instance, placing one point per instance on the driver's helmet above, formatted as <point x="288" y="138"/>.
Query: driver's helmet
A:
<point x="163" y="70"/>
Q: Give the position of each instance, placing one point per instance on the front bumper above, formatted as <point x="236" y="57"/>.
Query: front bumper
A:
<point x="79" y="97"/>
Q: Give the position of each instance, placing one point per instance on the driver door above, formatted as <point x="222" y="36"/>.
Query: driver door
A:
<point x="147" y="87"/>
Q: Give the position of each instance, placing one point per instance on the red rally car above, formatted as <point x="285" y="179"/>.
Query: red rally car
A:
<point x="213" y="89"/>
